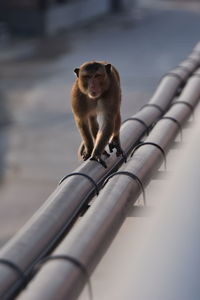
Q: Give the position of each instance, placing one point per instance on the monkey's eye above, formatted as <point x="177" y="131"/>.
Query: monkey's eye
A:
<point x="86" y="77"/>
<point x="98" y="75"/>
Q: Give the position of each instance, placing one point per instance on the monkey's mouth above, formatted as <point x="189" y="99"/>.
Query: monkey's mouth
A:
<point x="94" y="95"/>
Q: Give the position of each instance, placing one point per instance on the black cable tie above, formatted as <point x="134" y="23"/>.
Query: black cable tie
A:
<point x="187" y="104"/>
<point x="193" y="60"/>
<point x="184" y="68"/>
<point x="72" y="260"/>
<point x="153" y="105"/>
<point x="15" y="268"/>
<point x="153" y="144"/>
<point x="84" y="175"/>
<point x="172" y="74"/>
<point x="138" y="120"/>
<point x="196" y="75"/>
<point x="133" y="176"/>
<point x="177" y="123"/>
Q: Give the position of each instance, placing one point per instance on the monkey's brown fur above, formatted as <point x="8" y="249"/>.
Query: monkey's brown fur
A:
<point x="96" y="92"/>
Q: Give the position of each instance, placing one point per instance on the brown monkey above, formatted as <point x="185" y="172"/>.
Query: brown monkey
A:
<point x="96" y="92"/>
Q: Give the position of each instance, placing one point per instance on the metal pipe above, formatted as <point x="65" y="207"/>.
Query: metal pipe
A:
<point x="166" y="259"/>
<point x="45" y="229"/>
<point x="89" y="239"/>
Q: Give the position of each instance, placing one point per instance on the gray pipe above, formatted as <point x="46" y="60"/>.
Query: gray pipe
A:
<point x="55" y="217"/>
<point x="90" y="238"/>
<point x="166" y="260"/>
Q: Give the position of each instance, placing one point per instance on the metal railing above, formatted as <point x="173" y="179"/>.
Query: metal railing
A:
<point x="90" y="238"/>
<point x="54" y="219"/>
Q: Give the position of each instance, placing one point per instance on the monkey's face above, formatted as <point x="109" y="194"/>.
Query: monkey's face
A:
<point x="93" y="83"/>
<point x="93" y="79"/>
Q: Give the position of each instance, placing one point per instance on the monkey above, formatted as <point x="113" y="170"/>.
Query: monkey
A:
<point x="95" y="94"/>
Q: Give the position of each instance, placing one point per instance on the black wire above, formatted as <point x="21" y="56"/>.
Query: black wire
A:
<point x="138" y="120"/>
<point x="15" y="268"/>
<point x="153" y="105"/>
<point x="72" y="260"/>
<point x="186" y="104"/>
<point x="134" y="177"/>
<point x="176" y="122"/>
<point x="84" y="175"/>
<point x="153" y="144"/>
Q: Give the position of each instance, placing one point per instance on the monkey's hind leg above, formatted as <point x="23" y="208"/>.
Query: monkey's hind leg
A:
<point x="82" y="154"/>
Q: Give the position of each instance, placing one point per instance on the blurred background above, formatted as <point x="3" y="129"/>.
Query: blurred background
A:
<point x="41" y="42"/>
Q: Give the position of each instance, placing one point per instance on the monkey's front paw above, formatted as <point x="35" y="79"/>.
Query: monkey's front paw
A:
<point x="99" y="160"/>
<point x="85" y="156"/>
<point x="84" y="153"/>
<point x="122" y="153"/>
<point x="119" y="151"/>
<point x="115" y="145"/>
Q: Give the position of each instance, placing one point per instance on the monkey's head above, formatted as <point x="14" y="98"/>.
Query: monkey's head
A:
<point x="93" y="78"/>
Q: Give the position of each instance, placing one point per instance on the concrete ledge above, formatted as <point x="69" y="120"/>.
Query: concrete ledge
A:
<point x="57" y="17"/>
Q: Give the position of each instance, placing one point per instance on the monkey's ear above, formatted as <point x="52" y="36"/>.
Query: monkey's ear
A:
<point x="108" y="68"/>
<point x="76" y="71"/>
